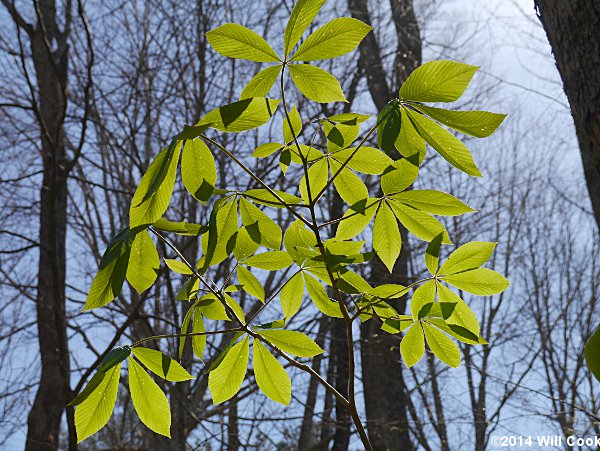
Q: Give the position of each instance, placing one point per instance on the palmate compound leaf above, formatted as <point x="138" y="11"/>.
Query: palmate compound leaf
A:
<point x="236" y="41"/>
<point x="437" y="81"/>
<point x="95" y="411"/>
<point x="348" y="185"/>
<point x="270" y="375"/>
<point x="303" y="14"/>
<point x="412" y="347"/>
<point x="316" y="84"/>
<point x="108" y="282"/>
<point x="161" y="364"/>
<point x="198" y="170"/>
<point x="292" y="342"/>
<point x="149" y="401"/>
<point x="226" y="379"/>
<point x="335" y="38"/>
<point x="153" y="194"/>
<point x="445" y="143"/>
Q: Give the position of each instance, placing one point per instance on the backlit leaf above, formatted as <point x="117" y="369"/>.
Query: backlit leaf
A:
<point x="270" y="375"/>
<point x="236" y="41"/>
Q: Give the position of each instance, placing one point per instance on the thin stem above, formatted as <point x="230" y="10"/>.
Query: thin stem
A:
<point x="351" y="405"/>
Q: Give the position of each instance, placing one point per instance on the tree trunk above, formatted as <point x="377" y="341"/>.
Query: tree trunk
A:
<point x="383" y="380"/>
<point x="573" y="30"/>
<point x="54" y="388"/>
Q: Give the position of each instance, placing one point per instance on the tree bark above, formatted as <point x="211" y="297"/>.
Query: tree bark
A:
<point x="383" y="380"/>
<point x="53" y="393"/>
<point x="573" y="30"/>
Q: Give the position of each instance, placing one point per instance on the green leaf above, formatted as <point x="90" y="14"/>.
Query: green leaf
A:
<point x="356" y="219"/>
<point x="412" y="346"/>
<point x="480" y="124"/>
<point x="445" y="143"/>
<point x="236" y="41"/>
<point x="434" y="202"/>
<point x="185" y="324"/>
<point x="420" y="224"/>
<point x="153" y="194"/>
<point x="270" y="261"/>
<point x="226" y="379"/>
<point x="349" y="118"/>
<point x="388" y="127"/>
<point x="216" y="244"/>
<point x="266" y="149"/>
<point x="108" y="282"/>
<point x="318" y="174"/>
<point x="437" y="81"/>
<point x="250" y="283"/>
<point x="296" y="120"/>
<point x="265" y="197"/>
<point x="90" y="387"/>
<point x="242" y="115"/>
<point x="144" y="262"/>
<point x="348" y="185"/>
<point x="386" y="236"/>
<point x="261" y="83"/>
<point x="339" y="136"/>
<point x="480" y="281"/>
<point x="212" y="308"/>
<point x="423" y="296"/>
<point x="303" y="14"/>
<point x="409" y="143"/>
<point x="336" y="38"/>
<point x="161" y="364"/>
<point x="367" y="160"/>
<point x="95" y="411"/>
<point x="400" y="176"/>
<point x="592" y="353"/>
<point x="261" y="227"/>
<point x="462" y="315"/>
<point x="442" y="346"/>
<point x="235" y="307"/>
<point x="114" y="357"/>
<point x="468" y="256"/>
<point x="245" y="245"/>
<point x="198" y="170"/>
<point x="292" y="342"/>
<point x="180" y="228"/>
<point x="149" y="401"/>
<point x="316" y="84"/>
<point x="270" y="375"/>
<point x="299" y="241"/>
<point x="432" y="254"/>
<point x="319" y="296"/>
<point x="198" y="341"/>
<point x="178" y="267"/>
<point x="388" y="291"/>
<point x="291" y="295"/>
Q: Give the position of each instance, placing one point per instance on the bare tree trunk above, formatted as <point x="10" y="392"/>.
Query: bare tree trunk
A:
<point x="49" y="52"/>
<point x="307" y="432"/>
<point x="233" y="438"/>
<point x="383" y="380"/>
<point x="573" y="29"/>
